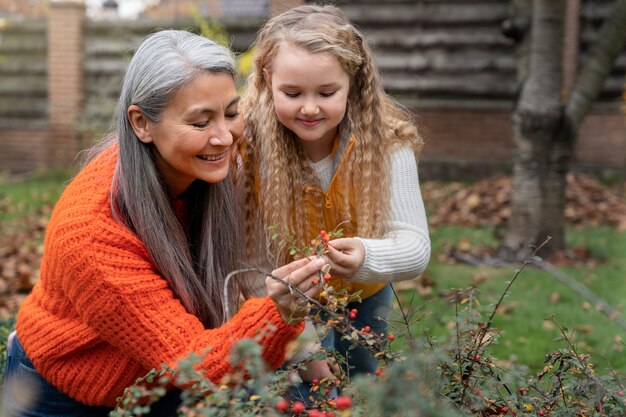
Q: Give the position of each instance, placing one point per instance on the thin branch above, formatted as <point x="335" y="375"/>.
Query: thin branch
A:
<point x="350" y="329"/>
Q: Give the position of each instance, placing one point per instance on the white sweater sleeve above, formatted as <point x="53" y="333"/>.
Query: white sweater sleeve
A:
<point x="404" y="252"/>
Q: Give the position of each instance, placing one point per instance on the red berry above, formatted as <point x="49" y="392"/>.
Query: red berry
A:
<point x="504" y="410"/>
<point x="315" y="413"/>
<point x="477" y="358"/>
<point x="366" y="329"/>
<point x="316" y="381"/>
<point x="327" y="277"/>
<point x="352" y="316"/>
<point x="542" y="413"/>
<point x="378" y="372"/>
<point x="620" y="393"/>
<point x="315" y="281"/>
<point x="282" y="405"/>
<point x="343" y="402"/>
<point x="298" y="407"/>
<point x="313" y="252"/>
<point x="391" y="337"/>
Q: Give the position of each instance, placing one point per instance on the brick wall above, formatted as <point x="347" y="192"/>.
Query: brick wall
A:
<point x="23" y="150"/>
<point x="477" y="143"/>
<point x="50" y="94"/>
<point x="65" y="78"/>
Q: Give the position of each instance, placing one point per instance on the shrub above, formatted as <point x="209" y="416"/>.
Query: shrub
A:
<point x="453" y="376"/>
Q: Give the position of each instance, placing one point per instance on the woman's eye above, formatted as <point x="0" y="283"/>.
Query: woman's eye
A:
<point x="327" y="94"/>
<point x="200" y="125"/>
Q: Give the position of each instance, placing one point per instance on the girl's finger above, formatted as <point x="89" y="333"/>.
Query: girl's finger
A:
<point x="335" y="255"/>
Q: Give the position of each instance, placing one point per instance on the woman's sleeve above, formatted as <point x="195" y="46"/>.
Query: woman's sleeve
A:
<point x="405" y="251"/>
<point x="121" y="296"/>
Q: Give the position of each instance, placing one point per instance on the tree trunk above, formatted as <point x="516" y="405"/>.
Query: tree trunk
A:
<point x="545" y="130"/>
<point x="541" y="150"/>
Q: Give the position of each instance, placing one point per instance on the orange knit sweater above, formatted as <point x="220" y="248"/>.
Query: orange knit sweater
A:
<point x="102" y="316"/>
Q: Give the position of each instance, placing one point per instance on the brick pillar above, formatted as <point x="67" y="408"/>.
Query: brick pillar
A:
<point x="65" y="78"/>
<point x="571" y="45"/>
<point x="279" y="6"/>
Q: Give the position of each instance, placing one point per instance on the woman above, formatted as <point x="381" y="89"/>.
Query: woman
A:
<point x="139" y="245"/>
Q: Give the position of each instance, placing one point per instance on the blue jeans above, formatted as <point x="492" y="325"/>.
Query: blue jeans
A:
<point x="372" y="311"/>
<point x="28" y="394"/>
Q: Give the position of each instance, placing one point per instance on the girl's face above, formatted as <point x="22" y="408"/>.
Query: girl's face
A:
<point x="194" y="139"/>
<point x="310" y="96"/>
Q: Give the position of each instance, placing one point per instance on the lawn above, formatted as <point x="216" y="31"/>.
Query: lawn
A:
<point x="527" y="333"/>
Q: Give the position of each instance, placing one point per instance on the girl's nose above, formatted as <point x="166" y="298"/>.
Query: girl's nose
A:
<point x="310" y="108"/>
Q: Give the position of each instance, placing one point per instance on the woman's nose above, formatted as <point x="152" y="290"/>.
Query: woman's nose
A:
<point x="222" y="136"/>
<point x="221" y="140"/>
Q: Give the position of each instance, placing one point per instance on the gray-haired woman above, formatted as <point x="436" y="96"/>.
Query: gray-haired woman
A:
<point x="139" y="245"/>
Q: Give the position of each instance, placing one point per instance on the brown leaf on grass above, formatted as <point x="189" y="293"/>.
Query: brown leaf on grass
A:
<point x="21" y="249"/>
<point x="585" y="328"/>
<point x="555" y="297"/>
<point x="423" y="285"/>
<point x="479" y="277"/>
<point x="487" y="203"/>
<point x="506" y="308"/>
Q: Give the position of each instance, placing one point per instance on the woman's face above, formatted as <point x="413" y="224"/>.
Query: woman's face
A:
<point x="195" y="137"/>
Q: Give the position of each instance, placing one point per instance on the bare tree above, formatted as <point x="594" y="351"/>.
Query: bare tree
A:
<point x="545" y="125"/>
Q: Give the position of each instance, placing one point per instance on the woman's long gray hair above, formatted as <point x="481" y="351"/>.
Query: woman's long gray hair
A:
<point x="195" y="259"/>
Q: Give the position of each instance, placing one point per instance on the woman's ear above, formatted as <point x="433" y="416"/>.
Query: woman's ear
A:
<point x="139" y="122"/>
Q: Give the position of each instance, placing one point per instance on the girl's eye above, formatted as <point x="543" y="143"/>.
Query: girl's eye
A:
<point x="232" y="116"/>
<point x="328" y="94"/>
<point x="200" y="125"/>
<point x="292" y="94"/>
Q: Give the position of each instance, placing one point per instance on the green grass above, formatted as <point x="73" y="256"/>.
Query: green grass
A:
<point x="527" y="334"/>
<point x="18" y="199"/>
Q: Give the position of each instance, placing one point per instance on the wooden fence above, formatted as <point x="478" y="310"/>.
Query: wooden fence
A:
<point x="447" y="59"/>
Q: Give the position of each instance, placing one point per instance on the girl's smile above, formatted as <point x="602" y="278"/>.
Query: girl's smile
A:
<point x="310" y="96"/>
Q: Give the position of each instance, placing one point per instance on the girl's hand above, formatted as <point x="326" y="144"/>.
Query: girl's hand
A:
<point x="325" y="368"/>
<point x="345" y="256"/>
<point x="299" y="274"/>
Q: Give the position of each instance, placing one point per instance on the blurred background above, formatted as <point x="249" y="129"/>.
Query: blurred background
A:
<point x="457" y="63"/>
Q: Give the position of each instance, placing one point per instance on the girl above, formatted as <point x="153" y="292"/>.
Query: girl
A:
<point x="325" y="147"/>
<point x="139" y="245"/>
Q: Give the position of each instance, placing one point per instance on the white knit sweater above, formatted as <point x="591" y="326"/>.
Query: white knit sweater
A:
<point x="405" y="251"/>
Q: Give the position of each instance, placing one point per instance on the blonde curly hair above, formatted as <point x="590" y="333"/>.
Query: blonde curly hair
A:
<point x="276" y="168"/>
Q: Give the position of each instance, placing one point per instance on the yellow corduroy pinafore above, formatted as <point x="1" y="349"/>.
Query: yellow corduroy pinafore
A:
<point x="336" y="216"/>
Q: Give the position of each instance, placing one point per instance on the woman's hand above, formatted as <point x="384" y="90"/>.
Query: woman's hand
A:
<point x="345" y="257"/>
<point x="325" y="368"/>
<point x="299" y="274"/>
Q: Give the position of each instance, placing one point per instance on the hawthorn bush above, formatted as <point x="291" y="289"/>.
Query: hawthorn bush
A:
<point x="455" y="375"/>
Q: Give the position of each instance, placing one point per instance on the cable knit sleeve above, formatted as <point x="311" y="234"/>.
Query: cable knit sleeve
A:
<point x="405" y="251"/>
<point x="118" y="293"/>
